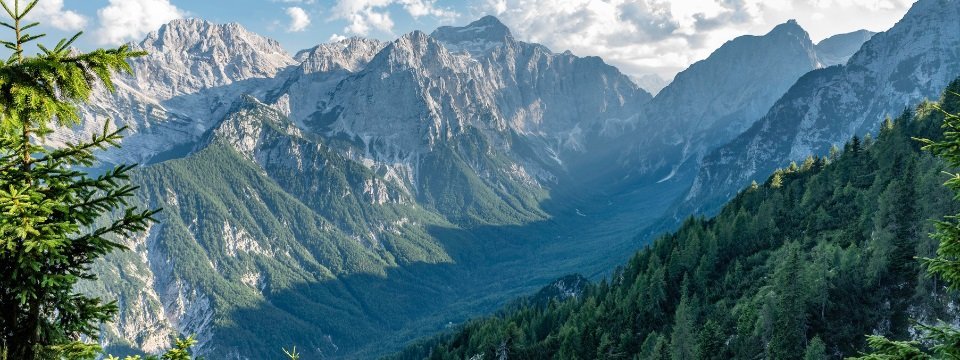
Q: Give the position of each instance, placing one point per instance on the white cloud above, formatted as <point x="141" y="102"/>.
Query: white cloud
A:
<point x="364" y="16"/>
<point x="666" y="36"/>
<point x="864" y="4"/>
<point x="52" y="13"/>
<point x="299" y="20"/>
<point x="124" y="20"/>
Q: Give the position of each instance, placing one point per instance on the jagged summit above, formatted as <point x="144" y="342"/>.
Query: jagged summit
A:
<point x="738" y="81"/>
<point x="893" y="70"/>
<point x="354" y="153"/>
<point x="414" y="49"/>
<point x="349" y="54"/>
<point x="714" y="100"/>
<point x="193" y="72"/>
<point x="789" y="28"/>
<point x="791" y="24"/>
<point x="184" y="34"/>
<point x="217" y="53"/>
<point x="489" y="25"/>
<point x="478" y="36"/>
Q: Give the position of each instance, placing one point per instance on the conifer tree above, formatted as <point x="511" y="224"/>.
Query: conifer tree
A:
<point x="887" y="125"/>
<point x="834" y="153"/>
<point x="942" y="341"/>
<point x="808" y="163"/>
<point x="53" y="216"/>
<point x="789" y="331"/>
<point x="816" y="350"/>
<point x="854" y="146"/>
<point x="776" y="181"/>
<point x="711" y="342"/>
<point x="655" y="347"/>
<point x="683" y="341"/>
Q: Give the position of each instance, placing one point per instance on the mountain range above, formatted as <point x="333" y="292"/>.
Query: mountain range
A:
<point x="801" y="266"/>
<point x="911" y="62"/>
<point x="361" y="193"/>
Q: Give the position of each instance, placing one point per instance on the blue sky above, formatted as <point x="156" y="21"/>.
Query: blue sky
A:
<point x="638" y="36"/>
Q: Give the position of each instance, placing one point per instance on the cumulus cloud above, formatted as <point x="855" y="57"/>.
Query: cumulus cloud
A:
<point x="663" y="36"/>
<point x="299" y="20"/>
<point x="365" y="16"/>
<point x="866" y="4"/>
<point x="124" y="20"/>
<point x="52" y="13"/>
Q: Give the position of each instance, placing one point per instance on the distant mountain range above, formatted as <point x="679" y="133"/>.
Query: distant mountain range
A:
<point x="911" y="62"/>
<point x="652" y="83"/>
<point x="803" y="265"/>
<point x="361" y="193"/>
<point x="715" y="99"/>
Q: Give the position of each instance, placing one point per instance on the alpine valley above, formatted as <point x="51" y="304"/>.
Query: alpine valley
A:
<point x="359" y="195"/>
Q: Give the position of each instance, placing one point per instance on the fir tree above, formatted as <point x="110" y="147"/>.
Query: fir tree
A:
<point x="655" y="347"/>
<point x="887" y="125"/>
<point x="776" y="181"/>
<point x="808" y="163"/>
<point x="816" y="350"/>
<point x="834" y="153"/>
<point x="683" y="341"/>
<point x="52" y="215"/>
<point x="790" y="311"/>
<point x="711" y="342"/>
<point x="943" y="341"/>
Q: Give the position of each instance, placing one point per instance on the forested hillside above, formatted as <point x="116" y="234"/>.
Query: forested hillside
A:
<point x="803" y="265"/>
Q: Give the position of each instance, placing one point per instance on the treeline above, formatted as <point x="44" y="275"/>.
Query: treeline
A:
<point x="802" y="266"/>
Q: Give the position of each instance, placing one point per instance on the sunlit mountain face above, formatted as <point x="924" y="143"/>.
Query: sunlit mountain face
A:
<point x="369" y="193"/>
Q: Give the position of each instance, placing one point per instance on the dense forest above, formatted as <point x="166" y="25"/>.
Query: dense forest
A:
<point x="802" y="266"/>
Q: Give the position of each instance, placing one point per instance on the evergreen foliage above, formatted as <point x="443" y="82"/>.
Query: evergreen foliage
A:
<point x="940" y="341"/>
<point x="800" y="267"/>
<point x="180" y="351"/>
<point x="53" y="217"/>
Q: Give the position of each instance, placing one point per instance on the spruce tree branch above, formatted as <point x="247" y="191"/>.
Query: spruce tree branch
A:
<point x="112" y="197"/>
<point x="132" y="221"/>
<point x="97" y="142"/>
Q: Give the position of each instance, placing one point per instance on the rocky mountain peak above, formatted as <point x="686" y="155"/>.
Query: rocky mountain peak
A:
<point x="789" y="26"/>
<point x="217" y="53"/>
<point x="476" y="37"/>
<point x="192" y="74"/>
<point x="789" y="31"/>
<point x="350" y="54"/>
<point x="715" y="99"/>
<point x="928" y="28"/>
<point x="415" y="50"/>
<point x="893" y="70"/>
<point x="198" y="35"/>
<point x="775" y="60"/>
